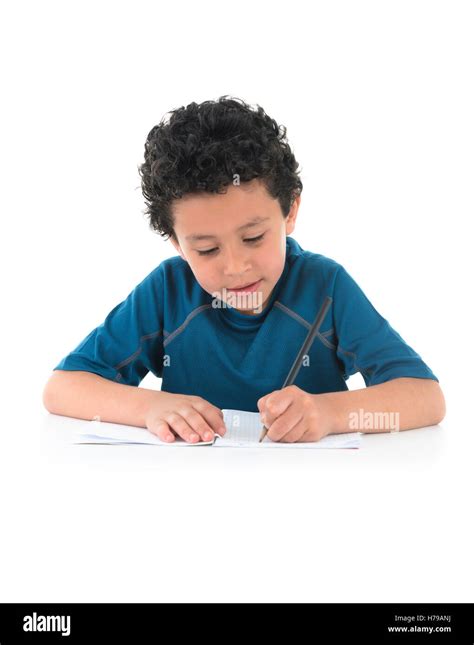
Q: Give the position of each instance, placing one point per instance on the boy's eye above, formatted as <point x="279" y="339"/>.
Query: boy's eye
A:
<point x="250" y="240"/>
<point x="255" y="239"/>
<point x="207" y="252"/>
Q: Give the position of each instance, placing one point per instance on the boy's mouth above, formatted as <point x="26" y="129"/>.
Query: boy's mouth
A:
<point x="247" y="288"/>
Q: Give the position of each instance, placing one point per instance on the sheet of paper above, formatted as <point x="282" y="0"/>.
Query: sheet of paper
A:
<point x="243" y="431"/>
<point x="114" y="433"/>
<point x="244" y="428"/>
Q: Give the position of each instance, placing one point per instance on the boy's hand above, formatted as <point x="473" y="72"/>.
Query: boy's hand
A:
<point x="292" y="415"/>
<point x="191" y="417"/>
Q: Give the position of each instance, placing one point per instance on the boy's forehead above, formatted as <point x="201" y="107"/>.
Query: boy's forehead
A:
<point x="222" y="224"/>
<point x="241" y="206"/>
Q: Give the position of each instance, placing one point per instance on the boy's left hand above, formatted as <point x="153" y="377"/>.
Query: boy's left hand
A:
<point x="293" y="415"/>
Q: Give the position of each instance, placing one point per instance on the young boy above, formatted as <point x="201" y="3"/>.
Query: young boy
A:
<point x="222" y="323"/>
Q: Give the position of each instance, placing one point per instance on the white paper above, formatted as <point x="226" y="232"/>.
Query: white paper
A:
<point x="114" y="433"/>
<point x="243" y="431"/>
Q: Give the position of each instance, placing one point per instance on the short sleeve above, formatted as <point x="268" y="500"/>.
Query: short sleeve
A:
<point x="129" y="343"/>
<point x="366" y="342"/>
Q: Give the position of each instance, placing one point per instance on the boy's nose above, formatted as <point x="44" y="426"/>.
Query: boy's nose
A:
<point x="235" y="264"/>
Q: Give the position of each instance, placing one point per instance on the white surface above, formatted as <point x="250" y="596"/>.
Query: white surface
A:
<point x="95" y="523"/>
<point x="59" y="435"/>
<point x="378" y="105"/>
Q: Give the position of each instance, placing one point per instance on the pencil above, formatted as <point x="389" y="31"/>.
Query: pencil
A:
<point x="295" y="368"/>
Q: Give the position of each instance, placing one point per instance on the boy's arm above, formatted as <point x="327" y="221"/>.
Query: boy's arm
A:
<point x="419" y="402"/>
<point x="85" y="395"/>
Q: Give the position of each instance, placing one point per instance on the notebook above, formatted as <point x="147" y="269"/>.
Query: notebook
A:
<point x="243" y="431"/>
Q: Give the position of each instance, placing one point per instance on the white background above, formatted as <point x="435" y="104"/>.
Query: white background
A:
<point x="378" y="101"/>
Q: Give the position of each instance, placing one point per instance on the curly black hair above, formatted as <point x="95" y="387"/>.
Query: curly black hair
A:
<point x="204" y="146"/>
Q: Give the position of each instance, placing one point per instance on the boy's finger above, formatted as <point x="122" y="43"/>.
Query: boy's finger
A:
<point x="197" y="422"/>
<point x="212" y="415"/>
<point x="275" y="405"/>
<point x="261" y="402"/>
<point x="285" y="424"/>
<point x="202" y="402"/>
<point x="162" y="430"/>
<point x="182" y="428"/>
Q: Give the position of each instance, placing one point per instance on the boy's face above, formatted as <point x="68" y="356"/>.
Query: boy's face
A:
<point x="226" y="247"/>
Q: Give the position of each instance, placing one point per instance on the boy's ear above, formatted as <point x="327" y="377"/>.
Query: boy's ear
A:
<point x="176" y="245"/>
<point x="291" y="218"/>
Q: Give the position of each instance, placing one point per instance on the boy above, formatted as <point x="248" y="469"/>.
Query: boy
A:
<point x="222" y="322"/>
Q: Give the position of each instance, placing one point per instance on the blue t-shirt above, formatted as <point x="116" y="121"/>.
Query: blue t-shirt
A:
<point x="168" y="326"/>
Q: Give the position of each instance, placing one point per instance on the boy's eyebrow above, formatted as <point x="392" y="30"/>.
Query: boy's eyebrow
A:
<point x="253" y="222"/>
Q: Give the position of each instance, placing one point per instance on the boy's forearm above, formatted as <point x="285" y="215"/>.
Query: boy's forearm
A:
<point x="85" y="395"/>
<point x="413" y="402"/>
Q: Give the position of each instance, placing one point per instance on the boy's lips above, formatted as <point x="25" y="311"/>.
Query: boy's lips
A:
<point x="253" y="286"/>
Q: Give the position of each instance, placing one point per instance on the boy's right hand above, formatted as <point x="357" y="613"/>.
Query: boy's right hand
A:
<point x="190" y="417"/>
